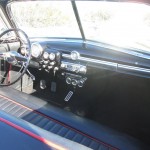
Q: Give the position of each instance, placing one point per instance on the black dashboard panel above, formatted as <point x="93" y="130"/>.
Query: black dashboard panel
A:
<point x="100" y="56"/>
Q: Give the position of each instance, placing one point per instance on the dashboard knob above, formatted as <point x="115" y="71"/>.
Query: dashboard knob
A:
<point x="52" y="56"/>
<point x="74" y="82"/>
<point x="52" y="63"/>
<point x="63" y="66"/>
<point x="75" y="55"/>
<point x="44" y="66"/>
<point x="68" y="80"/>
<point x="45" y="62"/>
<point x="81" y="83"/>
<point x="75" y="68"/>
<point x="50" y="67"/>
<point x="83" y="70"/>
<point x="45" y="55"/>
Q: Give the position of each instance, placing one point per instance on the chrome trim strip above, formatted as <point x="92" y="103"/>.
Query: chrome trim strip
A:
<point x="133" y="69"/>
<point x="113" y="66"/>
<point x="92" y="60"/>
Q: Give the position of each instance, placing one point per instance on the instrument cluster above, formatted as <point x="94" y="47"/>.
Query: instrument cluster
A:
<point x="52" y="60"/>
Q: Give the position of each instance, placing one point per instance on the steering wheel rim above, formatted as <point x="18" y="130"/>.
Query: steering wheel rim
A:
<point x="28" y="58"/>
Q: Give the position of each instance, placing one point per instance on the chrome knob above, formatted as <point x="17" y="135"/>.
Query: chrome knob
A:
<point x="50" y="67"/>
<point x="83" y="70"/>
<point x="68" y="80"/>
<point x="81" y="83"/>
<point x="52" y="63"/>
<point x="74" y="82"/>
<point x="63" y="66"/>
<point x="45" y="62"/>
<point x="75" y="55"/>
<point x="44" y="66"/>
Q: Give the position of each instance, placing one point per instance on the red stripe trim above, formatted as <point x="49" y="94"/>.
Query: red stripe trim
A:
<point x="48" y="117"/>
<point x="33" y="135"/>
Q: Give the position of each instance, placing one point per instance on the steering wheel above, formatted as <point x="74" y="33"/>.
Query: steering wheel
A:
<point x="14" y="58"/>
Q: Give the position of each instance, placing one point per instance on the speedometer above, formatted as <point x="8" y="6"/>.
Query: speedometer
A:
<point x="36" y="50"/>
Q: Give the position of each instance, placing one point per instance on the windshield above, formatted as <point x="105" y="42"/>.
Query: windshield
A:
<point x="46" y="18"/>
<point x="117" y="23"/>
<point x="3" y="26"/>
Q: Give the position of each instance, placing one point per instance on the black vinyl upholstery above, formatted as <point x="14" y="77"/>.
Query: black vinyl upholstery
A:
<point x="63" y="123"/>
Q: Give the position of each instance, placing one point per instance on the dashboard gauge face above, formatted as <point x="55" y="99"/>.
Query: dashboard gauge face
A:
<point x="36" y="50"/>
<point x="45" y="55"/>
<point x="75" y="55"/>
<point x="52" y="56"/>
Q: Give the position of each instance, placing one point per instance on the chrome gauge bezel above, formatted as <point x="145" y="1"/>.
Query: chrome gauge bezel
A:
<point x="52" y="56"/>
<point x="36" y="50"/>
<point x="45" y="55"/>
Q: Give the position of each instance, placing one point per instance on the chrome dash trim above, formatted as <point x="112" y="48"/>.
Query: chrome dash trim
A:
<point x="66" y="56"/>
<point x="114" y="66"/>
<point x="133" y="69"/>
<point x="90" y="60"/>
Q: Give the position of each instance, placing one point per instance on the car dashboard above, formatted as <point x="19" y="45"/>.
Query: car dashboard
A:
<point x="79" y="57"/>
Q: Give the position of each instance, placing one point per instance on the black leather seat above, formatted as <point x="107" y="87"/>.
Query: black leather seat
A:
<point x="63" y="123"/>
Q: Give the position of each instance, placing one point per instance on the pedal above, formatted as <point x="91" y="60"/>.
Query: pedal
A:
<point x="69" y="95"/>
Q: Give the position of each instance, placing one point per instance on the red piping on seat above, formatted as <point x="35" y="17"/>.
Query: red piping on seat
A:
<point x="97" y="140"/>
<point x="33" y="135"/>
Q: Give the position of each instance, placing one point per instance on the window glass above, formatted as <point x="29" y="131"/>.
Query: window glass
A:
<point x="118" y="23"/>
<point x="46" y="18"/>
<point x="2" y="26"/>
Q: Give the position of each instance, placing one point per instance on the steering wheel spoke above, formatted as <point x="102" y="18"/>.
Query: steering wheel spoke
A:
<point x="15" y="58"/>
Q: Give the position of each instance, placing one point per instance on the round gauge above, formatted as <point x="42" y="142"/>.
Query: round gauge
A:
<point x="45" y="55"/>
<point x="75" y="55"/>
<point x="52" y="56"/>
<point x="36" y="50"/>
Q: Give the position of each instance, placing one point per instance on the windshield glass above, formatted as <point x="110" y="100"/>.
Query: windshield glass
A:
<point x="46" y="18"/>
<point x="3" y="26"/>
<point x="117" y="23"/>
